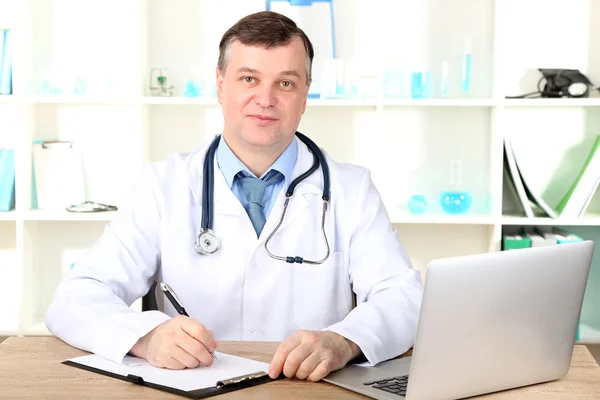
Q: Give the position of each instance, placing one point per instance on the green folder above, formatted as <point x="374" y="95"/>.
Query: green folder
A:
<point x="562" y="204"/>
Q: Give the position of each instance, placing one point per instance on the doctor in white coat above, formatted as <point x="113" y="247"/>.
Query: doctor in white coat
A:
<point x="240" y="292"/>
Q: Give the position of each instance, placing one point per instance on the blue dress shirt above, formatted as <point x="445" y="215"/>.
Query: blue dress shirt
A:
<point x="230" y="166"/>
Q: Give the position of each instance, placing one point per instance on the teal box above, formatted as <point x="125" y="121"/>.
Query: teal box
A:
<point x="7" y="180"/>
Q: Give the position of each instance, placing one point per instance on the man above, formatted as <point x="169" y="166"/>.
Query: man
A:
<point x="240" y="292"/>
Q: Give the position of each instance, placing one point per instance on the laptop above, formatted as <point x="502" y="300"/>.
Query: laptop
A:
<point x="488" y="322"/>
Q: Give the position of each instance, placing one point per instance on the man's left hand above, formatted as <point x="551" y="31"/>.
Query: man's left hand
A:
<point x="312" y="355"/>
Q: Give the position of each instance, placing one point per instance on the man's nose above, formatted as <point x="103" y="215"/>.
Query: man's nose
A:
<point x="265" y="96"/>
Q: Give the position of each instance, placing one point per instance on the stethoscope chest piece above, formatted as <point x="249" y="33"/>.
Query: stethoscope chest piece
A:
<point x="207" y="242"/>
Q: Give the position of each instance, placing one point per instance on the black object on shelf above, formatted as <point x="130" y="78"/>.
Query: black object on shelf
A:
<point x="570" y="83"/>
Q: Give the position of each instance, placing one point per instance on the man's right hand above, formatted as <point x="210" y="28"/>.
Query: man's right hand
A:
<point x="178" y="343"/>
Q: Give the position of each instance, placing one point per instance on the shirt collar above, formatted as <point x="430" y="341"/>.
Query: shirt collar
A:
<point x="230" y="165"/>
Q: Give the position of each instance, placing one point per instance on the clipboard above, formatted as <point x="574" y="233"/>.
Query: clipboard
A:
<point x="58" y="174"/>
<point x="147" y="375"/>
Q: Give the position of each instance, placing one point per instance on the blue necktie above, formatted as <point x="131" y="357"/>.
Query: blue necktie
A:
<point x="254" y="189"/>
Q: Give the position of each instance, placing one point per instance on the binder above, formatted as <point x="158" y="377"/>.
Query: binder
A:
<point x="316" y="19"/>
<point x="2" y="35"/>
<point x="575" y="201"/>
<point x="6" y="60"/>
<point x="565" y="237"/>
<point x="7" y="180"/>
<point x="514" y="241"/>
<point x="510" y="162"/>
<point x="540" y="238"/>
<point x="58" y="174"/>
<point x="190" y="383"/>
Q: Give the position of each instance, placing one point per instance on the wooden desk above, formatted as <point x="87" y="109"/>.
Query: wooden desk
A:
<point x="30" y="368"/>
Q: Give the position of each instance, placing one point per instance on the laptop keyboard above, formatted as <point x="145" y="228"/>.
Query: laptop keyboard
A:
<point x="396" y="385"/>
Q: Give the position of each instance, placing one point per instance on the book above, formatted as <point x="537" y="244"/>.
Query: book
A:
<point x="579" y="194"/>
<point x="513" y="241"/>
<point x="2" y="34"/>
<point x="515" y="178"/>
<point x="7" y="180"/>
<point x="6" y="59"/>
<point x="532" y="200"/>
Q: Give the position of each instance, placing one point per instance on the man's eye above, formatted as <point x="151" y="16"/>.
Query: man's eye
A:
<point x="286" y="84"/>
<point x="248" y="79"/>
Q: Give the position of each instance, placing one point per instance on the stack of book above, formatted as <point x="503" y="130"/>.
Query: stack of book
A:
<point x="536" y="237"/>
<point x="5" y="62"/>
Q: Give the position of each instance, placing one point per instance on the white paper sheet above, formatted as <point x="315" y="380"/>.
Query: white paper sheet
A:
<point x="226" y="366"/>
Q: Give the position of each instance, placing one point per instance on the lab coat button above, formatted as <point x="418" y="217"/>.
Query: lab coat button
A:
<point x="252" y="330"/>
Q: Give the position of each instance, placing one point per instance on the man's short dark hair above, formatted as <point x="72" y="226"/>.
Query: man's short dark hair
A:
<point x="264" y="29"/>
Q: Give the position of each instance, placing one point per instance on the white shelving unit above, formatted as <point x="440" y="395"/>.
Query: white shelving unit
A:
<point x="409" y="144"/>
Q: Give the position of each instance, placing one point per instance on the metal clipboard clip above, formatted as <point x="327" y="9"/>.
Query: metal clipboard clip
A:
<point x="241" y="379"/>
<point x="91" y="206"/>
<point x="56" y="143"/>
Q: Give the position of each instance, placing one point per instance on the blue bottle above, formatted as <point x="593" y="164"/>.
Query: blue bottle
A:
<point x="417" y="204"/>
<point x="192" y="89"/>
<point x="420" y="84"/>
<point x="466" y="68"/>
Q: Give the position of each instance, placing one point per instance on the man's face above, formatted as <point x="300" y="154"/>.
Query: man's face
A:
<point x="263" y="93"/>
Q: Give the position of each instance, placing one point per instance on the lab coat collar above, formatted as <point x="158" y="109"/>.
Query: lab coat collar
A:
<point x="226" y="203"/>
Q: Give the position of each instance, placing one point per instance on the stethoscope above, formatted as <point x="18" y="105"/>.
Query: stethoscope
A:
<point x="208" y="242"/>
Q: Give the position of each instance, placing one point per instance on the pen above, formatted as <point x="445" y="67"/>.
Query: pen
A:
<point x="177" y="304"/>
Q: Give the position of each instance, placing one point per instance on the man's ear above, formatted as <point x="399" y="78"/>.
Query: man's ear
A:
<point x="306" y="97"/>
<point x="220" y="78"/>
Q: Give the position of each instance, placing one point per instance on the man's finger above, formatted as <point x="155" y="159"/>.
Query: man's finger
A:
<point x="183" y="357"/>
<point x="173" y="363"/>
<point x="320" y="371"/>
<point x="198" y="331"/>
<point x="295" y="358"/>
<point x="307" y="366"/>
<point x="284" y="348"/>
<point x="195" y="348"/>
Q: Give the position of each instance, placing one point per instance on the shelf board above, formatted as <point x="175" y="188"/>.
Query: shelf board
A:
<point x="37" y="329"/>
<point x="7" y="98"/>
<point x="206" y="101"/>
<point x="552" y="102"/>
<point x="402" y="218"/>
<point x="8" y="216"/>
<point x="75" y="99"/>
<point x="58" y="215"/>
<point x="589" y="334"/>
<point x="4" y="332"/>
<point x="341" y="102"/>
<point x="211" y="101"/>
<point x="448" y="102"/>
<point x="588" y="220"/>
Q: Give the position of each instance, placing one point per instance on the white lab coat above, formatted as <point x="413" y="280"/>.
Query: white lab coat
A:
<point x="239" y="292"/>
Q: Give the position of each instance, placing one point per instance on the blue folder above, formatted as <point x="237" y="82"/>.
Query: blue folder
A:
<point x="7" y="180"/>
<point x="6" y="61"/>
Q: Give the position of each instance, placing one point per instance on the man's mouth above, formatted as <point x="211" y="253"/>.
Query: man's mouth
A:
<point x="262" y="119"/>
